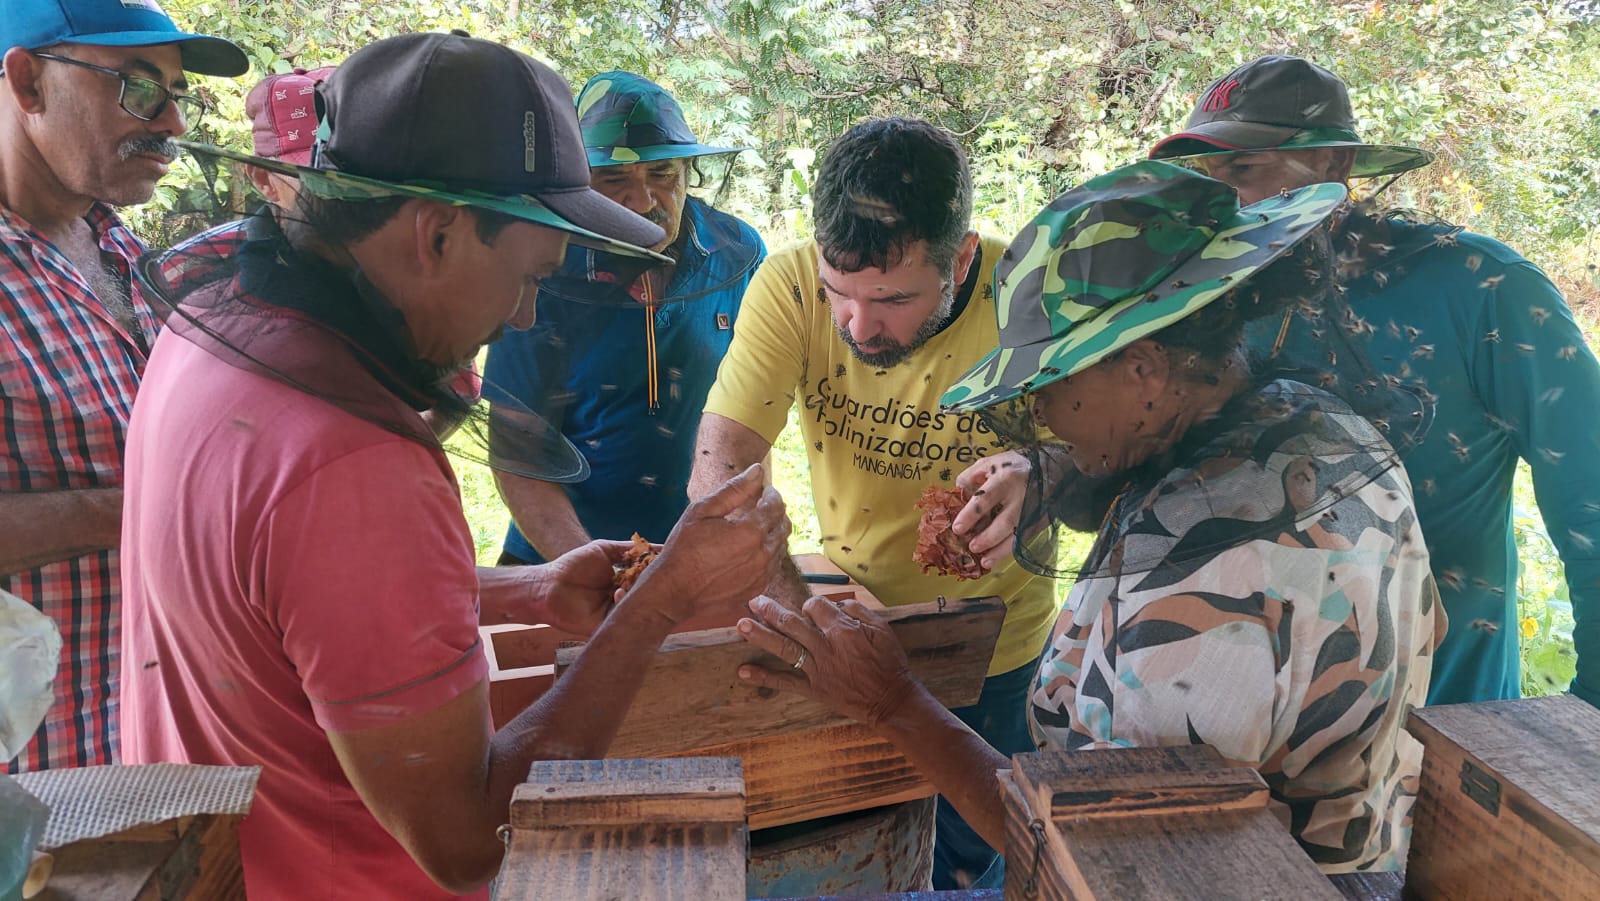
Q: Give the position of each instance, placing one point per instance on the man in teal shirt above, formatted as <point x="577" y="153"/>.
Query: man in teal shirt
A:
<point x="1461" y="317"/>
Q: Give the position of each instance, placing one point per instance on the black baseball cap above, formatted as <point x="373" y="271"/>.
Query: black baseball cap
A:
<point x="1282" y="103"/>
<point x="452" y="118"/>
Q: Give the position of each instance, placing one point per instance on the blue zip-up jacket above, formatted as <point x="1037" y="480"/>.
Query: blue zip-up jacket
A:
<point x="584" y="367"/>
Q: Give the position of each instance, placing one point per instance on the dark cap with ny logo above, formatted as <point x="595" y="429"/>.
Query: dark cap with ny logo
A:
<point x="1282" y="103"/>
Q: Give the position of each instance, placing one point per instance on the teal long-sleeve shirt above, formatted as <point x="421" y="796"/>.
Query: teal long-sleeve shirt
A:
<point x="1485" y="331"/>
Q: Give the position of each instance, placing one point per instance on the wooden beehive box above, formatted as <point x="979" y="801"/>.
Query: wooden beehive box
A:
<point x="141" y="833"/>
<point x="1156" y="823"/>
<point x="652" y="830"/>
<point x="800" y="762"/>
<point x="1509" y="805"/>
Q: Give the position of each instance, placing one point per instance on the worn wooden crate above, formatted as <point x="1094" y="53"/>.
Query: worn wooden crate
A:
<point x="653" y="830"/>
<point x="1157" y="823"/>
<point x="800" y="762"/>
<point x="140" y="833"/>
<point x="1509" y="805"/>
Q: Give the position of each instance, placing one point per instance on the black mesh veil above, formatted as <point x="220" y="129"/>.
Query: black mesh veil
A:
<point x="1314" y="422"/>
<point x="599" y="277"/>
<point x="245" y="294"/>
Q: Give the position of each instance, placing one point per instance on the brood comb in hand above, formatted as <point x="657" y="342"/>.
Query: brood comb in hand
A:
<point x="938" y="547"/>
<point x="634" y="561"/>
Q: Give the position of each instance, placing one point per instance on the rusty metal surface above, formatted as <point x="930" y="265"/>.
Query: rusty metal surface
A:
<point x="884" y="850"/>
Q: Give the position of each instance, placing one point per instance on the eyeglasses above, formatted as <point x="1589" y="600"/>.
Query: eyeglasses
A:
<point x="141" y="98"/>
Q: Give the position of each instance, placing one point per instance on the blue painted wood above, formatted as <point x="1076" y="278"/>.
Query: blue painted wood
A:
<point x="887" y="849"/>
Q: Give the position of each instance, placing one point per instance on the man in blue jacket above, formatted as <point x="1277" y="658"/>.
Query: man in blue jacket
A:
<point x="621" y="361"/>
<point x="1461" y="317"/>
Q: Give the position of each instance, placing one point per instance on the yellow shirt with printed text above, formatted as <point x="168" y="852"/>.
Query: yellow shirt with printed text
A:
<point x="875" y="438"/>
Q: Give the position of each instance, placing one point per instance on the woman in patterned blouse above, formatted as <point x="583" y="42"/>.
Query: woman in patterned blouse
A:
<point x="1258" y="583"/>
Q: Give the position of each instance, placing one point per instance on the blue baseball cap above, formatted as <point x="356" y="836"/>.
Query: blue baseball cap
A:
<point x="32" y="24"/>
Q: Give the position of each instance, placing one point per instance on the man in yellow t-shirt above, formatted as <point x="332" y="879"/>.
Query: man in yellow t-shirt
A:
<point x="865" y="326"/>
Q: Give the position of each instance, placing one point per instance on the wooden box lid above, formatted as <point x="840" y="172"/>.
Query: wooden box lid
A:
<point x="1148" y="823"/>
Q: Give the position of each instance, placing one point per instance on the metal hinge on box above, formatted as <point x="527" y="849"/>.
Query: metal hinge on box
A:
<point x="1480" y="787"/>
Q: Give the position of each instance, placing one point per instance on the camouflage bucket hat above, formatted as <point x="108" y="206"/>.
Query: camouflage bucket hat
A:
<point x="627" y="118"/>
<point x="1121" y="257"/>
<point x="1282" y="103"/>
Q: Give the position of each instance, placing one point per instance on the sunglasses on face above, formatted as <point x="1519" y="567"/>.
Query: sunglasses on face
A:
<point x="141" y="98"/>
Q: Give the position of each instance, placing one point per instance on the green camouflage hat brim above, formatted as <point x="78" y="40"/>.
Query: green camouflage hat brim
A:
<point x="619" y="156"/>
<point x="336" y="185"/>
<point x="1228" y="138"/>
<point x="1257" y="235"/>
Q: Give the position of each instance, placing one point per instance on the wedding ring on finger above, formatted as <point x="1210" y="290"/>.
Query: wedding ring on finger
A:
<point x="799" y="661"/>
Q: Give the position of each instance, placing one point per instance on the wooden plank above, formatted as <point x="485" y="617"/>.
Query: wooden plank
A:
<point x="1238" y="854"/>
<point x="1506" y="805"/>
<point x="693" y="699"/>
<point x="577" y="832"/>
<point x="1190" y="778"/>
<point x="1217" y="841"/>
<point x="835" y="769"/>
<point x="621" y="792"/>
<point x="197" y="858"/>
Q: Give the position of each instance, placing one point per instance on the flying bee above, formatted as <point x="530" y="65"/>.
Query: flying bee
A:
<point x="1485" y="625"/>
<point x="1422" y="352"/>
<point x="1580" y="541"/>
<point x="1570" y="352"/>
<point x="1538" y="315"/>
<point x="1492" y="337"/>
<point x="1492" y="282"/>
<point x="1473" y="262"/>
<point x="1551" y="395"/>
<point x="1452" y="579"/>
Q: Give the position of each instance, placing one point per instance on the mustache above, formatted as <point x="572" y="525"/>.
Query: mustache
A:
<point x="133" y="147"/>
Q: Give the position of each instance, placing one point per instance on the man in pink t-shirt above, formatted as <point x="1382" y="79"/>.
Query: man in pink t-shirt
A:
<point x="300" y="588"/>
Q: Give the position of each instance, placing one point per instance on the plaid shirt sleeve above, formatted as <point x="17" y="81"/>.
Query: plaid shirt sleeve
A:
<point x="68" y="370"/>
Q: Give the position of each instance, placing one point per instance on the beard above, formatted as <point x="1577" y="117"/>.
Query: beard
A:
<point x="886" y="353"/>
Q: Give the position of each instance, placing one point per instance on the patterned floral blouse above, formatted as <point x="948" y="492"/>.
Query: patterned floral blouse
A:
<point x="1269" y="596"/>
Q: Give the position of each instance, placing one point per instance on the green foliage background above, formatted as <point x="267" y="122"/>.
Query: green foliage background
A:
<point x="1043" y="93"/>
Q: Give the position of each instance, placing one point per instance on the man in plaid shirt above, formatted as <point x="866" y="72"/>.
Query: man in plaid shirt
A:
<point x="91" y="96"/>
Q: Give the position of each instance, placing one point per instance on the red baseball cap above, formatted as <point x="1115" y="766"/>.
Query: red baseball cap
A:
<point x="283" y="114"/>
